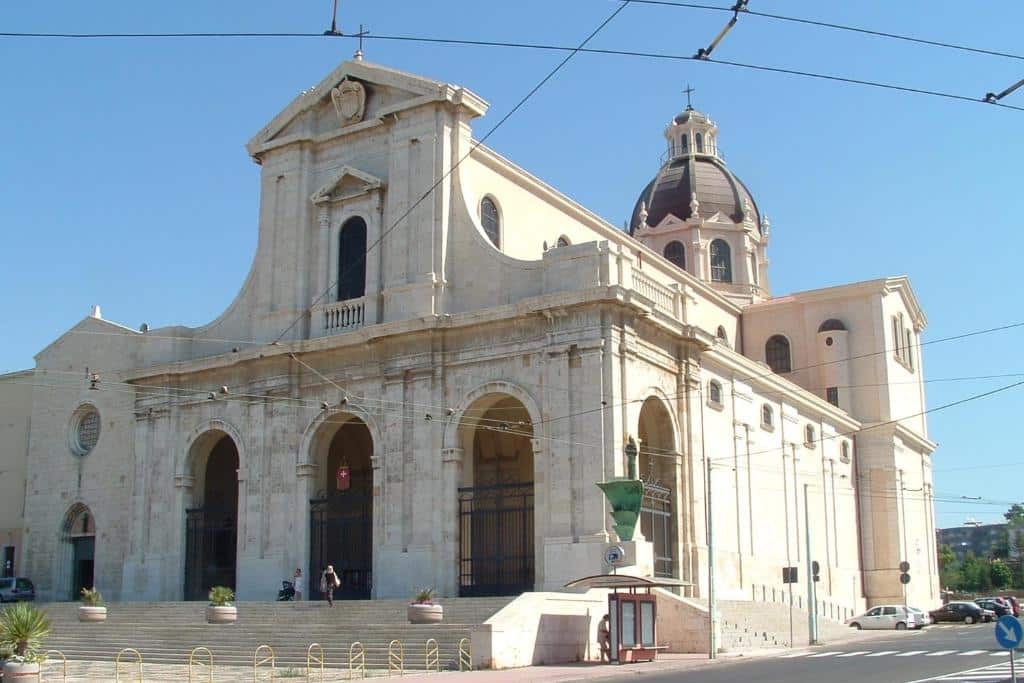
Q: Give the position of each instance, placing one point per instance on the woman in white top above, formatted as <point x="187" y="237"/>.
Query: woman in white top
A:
<point x="297" y="582"/>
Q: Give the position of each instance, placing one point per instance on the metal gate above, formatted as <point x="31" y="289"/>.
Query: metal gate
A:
<point x="657" y="526"/>
<point x="341" y="534"/>
<point x="496" y="539"/>
<point x="210" y="547"/>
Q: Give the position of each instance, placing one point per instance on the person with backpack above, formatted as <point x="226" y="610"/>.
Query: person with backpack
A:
<point x="328" y="582"/>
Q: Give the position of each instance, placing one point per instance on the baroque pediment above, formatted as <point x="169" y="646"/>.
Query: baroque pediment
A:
<point x="355" y="96"/>
<point x="346" y="183"/>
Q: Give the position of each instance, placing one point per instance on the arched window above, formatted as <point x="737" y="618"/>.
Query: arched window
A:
<point x="776" y="354"/>
<point x="352" y="259"/>
<point x="563" y="241"/>
<point x="767" y="416"/>
<point x="721" y="334"/>
<point x="809" y="435"/>
<point x="491" y="221"/>
<point x="721" y="262"/>
<point x="715" y="392"/>
<point x="675" y="254"/>
<point x="844" y="451"/>
<point x="683" y="144"/>
<point x="700" y="143"/>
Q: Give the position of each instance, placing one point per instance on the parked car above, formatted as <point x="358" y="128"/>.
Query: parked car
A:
<point x="967" y="612"/>
<point x="885" y="617"/>
<point x="923" y="618"/>
<point x="998" y="606"/>
<point x="1013" y="603"/>
<point x="16" y="589"/>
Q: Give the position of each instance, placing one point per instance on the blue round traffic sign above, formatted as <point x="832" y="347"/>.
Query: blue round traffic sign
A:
<point x="1009" y="632"/>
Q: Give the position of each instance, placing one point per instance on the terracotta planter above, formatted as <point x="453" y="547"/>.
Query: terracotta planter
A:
<point x="16" y="671"/>
<point x="221" y="615"/>
<point x="92" y="613"/>
<point x="425" y="613"/>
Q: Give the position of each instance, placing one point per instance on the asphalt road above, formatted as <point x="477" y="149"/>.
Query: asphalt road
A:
<point x="943" y="652"/>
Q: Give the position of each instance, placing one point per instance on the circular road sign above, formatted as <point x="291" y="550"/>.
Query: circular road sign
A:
<point x="904" y="566"/>
<point x="1008" y="632"/>
<point x="614" y="555"/>
<point x="904" y="579"/>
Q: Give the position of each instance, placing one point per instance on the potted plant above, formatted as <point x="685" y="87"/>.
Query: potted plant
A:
<point x="221" y="611"/>
<point x="92" y="607"/>
<point x="22" y="629"/>
<point x="423" y="609"/>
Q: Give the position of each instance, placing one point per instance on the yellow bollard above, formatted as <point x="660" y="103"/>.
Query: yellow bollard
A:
<point x="465" y="655"/>
<point x="311" y="658"/>
<point x="194" y="659"/>
<point x="396" y="657"/>
<point x="117" y="663"/>
<point x="356" y="660"/>
<point x="63" y="659"/>
<point x="432" y="657"/>
<point x="257" y="663"/>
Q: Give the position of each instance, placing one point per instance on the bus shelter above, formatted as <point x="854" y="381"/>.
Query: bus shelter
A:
<point x="632" y="614"/>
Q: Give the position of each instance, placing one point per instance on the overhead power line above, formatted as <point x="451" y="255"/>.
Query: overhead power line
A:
<point x="541" y="46"/>
<point x="838" y="27"/>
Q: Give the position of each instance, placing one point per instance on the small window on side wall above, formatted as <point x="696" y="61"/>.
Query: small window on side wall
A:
<point x="714" y="393"/>
<point x="767" y="416"/>
<point x="844" y="452"/>
<point x="832" y="395"/>
<point x="491" y="221"/>
<point x="776" y="354"/>
<point x="721" y="334"/>
<point x="809" y="435"/>
<point x="563" y="241"/>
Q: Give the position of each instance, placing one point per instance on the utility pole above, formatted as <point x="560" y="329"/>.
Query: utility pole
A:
<point x="712" y="604"/>
<point x="812" y="600"/>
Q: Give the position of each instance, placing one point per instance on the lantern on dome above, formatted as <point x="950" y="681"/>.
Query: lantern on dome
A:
<point x="343" y="477"/>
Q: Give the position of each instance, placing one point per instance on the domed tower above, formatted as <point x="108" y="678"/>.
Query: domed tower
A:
<point x="701" y="217"/>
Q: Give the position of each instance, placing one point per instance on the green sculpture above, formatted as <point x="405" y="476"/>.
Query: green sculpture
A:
<point x="625" y="496"/>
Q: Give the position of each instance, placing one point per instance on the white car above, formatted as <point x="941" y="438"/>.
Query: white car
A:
<point x="923" y="618"/>
<point x="886" y="617"/>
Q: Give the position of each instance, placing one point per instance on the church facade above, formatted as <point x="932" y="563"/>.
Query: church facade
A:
<point x="436" y="356"/>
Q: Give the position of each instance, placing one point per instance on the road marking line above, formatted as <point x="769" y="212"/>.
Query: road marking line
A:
<point x="794" y="654"/>
<point x="996" y="654"/>
<point x="969" y="653"/>
<point x="883" y="653"/>
<point x="854" y="654"/>
<point x="912" y="653"/>
<point x="823" y="654"/>
<point x="940" y="653"/>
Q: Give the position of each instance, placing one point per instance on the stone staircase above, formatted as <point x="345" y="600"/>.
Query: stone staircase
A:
<point x="748" y="624"/>
<point x="166" y="632"/>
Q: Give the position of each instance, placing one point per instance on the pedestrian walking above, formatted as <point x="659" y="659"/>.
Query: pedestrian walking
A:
<point x="297" y="582"/>
<point x="328" y="582"/>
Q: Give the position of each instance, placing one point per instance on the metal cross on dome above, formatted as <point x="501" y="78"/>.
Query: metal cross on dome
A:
<point x="689" y="91"/>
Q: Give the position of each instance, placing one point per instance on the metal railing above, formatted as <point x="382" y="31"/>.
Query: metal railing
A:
<point x="117" y="663"/>
<point x="312" y="659"/>
<point x="396" y="657"/>
<point x="64" y="659"/>
<point x="431" y="656"/>
<point x="356" y="660"/>
<point x="257" y="662"/>
<point x="465" y="655"/>
<point x="195" y="659"/>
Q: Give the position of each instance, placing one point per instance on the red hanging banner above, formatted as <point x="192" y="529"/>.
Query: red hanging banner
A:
<point x="343" y="478"/>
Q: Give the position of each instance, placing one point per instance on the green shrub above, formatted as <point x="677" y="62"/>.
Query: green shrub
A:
<point x="22" y="629"/>
<point x="221" y="596"/>
<point x="91" y="597"/>
<point x="424" y="596"/>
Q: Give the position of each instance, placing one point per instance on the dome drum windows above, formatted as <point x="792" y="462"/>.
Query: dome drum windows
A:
<point x="490" y="220"/>
<point x="721" y="261"/>
<point x="85" y="430"/>
<point x="675" y="253"/>
<point x="777" y="354"/>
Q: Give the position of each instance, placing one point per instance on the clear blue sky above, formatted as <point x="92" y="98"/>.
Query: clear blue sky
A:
<point x="124" y="182"/>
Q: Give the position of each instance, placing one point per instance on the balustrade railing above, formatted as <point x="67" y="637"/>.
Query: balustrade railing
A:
<point x="342" y="315"/>
<point x="660" y="295"/>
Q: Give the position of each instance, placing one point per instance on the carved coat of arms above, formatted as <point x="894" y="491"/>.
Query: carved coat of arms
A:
<point x="349" y="99"/>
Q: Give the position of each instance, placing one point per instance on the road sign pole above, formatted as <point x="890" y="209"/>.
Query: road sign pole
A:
<point x="812" y="600"/>
<point x="1013" y="671"/>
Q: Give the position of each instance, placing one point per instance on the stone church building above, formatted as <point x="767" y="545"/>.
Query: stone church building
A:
<point x="436" y="356"/>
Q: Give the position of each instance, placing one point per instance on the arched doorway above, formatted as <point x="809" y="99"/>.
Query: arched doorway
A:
<point x="658" y="465"/>
<point x="496" y="536"/>
<point x="80" y="536"/>
<point x="341" y="514"/>
<point x="211" y="520"/>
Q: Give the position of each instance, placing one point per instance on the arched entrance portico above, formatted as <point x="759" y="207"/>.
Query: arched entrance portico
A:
<point x="78" y="551"/>
<point x="658" y="465"/>
<point x="211" y="515"/>
<point x="341" y="509"/>
<point x="496" y="498"/>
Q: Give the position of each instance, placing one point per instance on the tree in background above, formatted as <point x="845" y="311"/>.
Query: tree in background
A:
<point x="1000" y="574"/>
<point x="946" y="557"/>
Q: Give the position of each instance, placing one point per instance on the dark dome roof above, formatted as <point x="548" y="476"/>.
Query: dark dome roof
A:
<point x="832" y="325"/>
<point x="716" y="187"/>
<point x="689" y="114"/>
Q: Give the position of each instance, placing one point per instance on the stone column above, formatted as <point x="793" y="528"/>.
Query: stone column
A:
<point x="305" y="488"/>
<point x="183" y="485"/>
<point x="447" y="570"/>
<point x="323" y="275"/>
